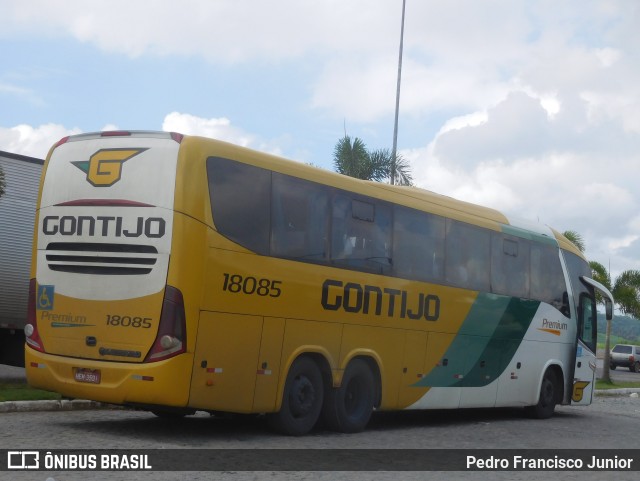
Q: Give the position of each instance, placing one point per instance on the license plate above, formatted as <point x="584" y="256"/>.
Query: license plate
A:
<point x="87" y="375"/>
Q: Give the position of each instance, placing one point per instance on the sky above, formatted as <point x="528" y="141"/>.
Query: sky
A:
<point x="531" y="107"/>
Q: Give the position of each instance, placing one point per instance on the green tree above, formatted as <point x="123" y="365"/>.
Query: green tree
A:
<point x="576" y="238"/>
<point x="351" y="157"/>
<point x="625" y="290"/>
<point x="3" y="182"/>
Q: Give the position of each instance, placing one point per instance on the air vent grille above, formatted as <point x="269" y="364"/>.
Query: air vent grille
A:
<point x="97" y="258"/>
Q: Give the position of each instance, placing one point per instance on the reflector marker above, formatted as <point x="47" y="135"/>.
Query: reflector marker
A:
<point x="215" y="370"/>
<point x="139" y="377"/>
<point x="266" y="372"/>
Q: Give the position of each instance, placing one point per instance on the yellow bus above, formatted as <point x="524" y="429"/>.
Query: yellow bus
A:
<point x="179" y="274"/>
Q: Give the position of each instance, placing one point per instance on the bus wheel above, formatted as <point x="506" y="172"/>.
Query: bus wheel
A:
<point x="548" y="395"/>
<point x="301" y="400"/>
<point x="348" y="408"/>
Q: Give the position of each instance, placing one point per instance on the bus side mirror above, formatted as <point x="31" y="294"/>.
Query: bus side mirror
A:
<point x="608" y="307"/>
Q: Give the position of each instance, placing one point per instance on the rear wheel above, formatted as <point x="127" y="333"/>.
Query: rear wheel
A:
<point x="612" y="366"/>
<point x="636" y="366"/>
<point x="348" y="408"/>
<point x="301" y="400"/>
<point x="548" y="397"/>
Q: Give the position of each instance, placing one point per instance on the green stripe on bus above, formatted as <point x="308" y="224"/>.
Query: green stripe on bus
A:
<point x="485" y="344"/>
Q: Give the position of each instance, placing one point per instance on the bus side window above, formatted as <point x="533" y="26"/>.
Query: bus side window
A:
<point x="418" y="245"/>
<point x="300" y="219"/>
<point x="361" y="234"/>
<point x="547" y="279"/>
<point x="509" y="265"/>
<point x="468" y="254"/>
<point x="240" y="202"/>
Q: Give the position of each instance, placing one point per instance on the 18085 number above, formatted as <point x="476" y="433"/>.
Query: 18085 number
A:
<point x="236" y="283"/>
<point x="128" y="321"/>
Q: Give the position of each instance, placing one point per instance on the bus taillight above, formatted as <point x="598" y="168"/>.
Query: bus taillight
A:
<point x="31" y="328"/>
<point x="172" y="331"/>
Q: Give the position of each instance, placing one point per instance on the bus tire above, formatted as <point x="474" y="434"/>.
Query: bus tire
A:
<point x="347" y="409"/>
<point x="548" y="397"/>
<point x="301" y="400"/>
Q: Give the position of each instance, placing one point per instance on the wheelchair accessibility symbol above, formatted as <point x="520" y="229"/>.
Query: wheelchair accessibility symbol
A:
<point x="44" y="301"/>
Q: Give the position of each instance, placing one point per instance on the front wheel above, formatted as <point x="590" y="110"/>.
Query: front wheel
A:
<point x="612" y="366"/>
<point x="548" y="396"/>
<point x="348" y="408"/>
<point x="301" y="400"/>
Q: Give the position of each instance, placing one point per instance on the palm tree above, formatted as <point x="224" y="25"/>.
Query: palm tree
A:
<point x="398" y="171"/>
<point x="351" y="157"/>
<point x="576" y="238"/>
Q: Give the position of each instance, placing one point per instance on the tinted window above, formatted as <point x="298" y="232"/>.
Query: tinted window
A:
<point x="300" y="219"/>
<point x="361" y="234"/>
<point x="577" y="267"/>
<point x="240" y="202"/>
<point x="467" y="256"/>
<point x="418" y="245"/>
<point x="547" y="278"/>
<point x="588" y="324"/>
<point x="509" y="265"/>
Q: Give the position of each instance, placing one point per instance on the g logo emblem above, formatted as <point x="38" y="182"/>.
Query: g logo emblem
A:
<point x="104" y="168"/>
<point x="578" y="390"/>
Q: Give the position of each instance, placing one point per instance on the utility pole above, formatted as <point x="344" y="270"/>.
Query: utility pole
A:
<point x="395" y="125"/>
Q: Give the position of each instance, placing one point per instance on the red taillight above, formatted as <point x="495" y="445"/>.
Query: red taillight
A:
<point x="63" y="140"/>
<point x="171" y="339"/>
<point x="31" y="328"/>
<point x="177" y="137"/>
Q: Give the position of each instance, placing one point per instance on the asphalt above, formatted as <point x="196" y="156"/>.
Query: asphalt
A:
<point x="11" y="374"/>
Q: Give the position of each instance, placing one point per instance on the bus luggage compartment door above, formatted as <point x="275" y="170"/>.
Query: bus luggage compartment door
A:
<point x="224" y="371"/>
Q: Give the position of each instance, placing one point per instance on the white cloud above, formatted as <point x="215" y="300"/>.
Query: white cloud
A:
<point x="36" y="141"/>
<point x="33" y="141"/>
<point x="216" y="128"/>
<point x="222" y="30"/>
<point x="570" y="170"/>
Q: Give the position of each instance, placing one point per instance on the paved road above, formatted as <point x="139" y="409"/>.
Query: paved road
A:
<point x="602" y="424"/>
<point x="607" y="423"/>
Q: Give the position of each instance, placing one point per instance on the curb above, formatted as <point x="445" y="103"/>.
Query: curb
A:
<point x="51" y="405"/>
<point x="625" y="391"/>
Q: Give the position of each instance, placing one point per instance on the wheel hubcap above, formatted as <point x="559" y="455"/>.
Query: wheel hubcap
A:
<point x="302" y="397"/>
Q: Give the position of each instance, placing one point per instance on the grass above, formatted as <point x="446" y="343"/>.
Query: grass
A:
<point x="600" y="384"/>
<point x="20" y="391"/>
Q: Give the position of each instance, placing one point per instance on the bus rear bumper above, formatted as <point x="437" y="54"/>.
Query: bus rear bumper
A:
<point x="163" y="383"/>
